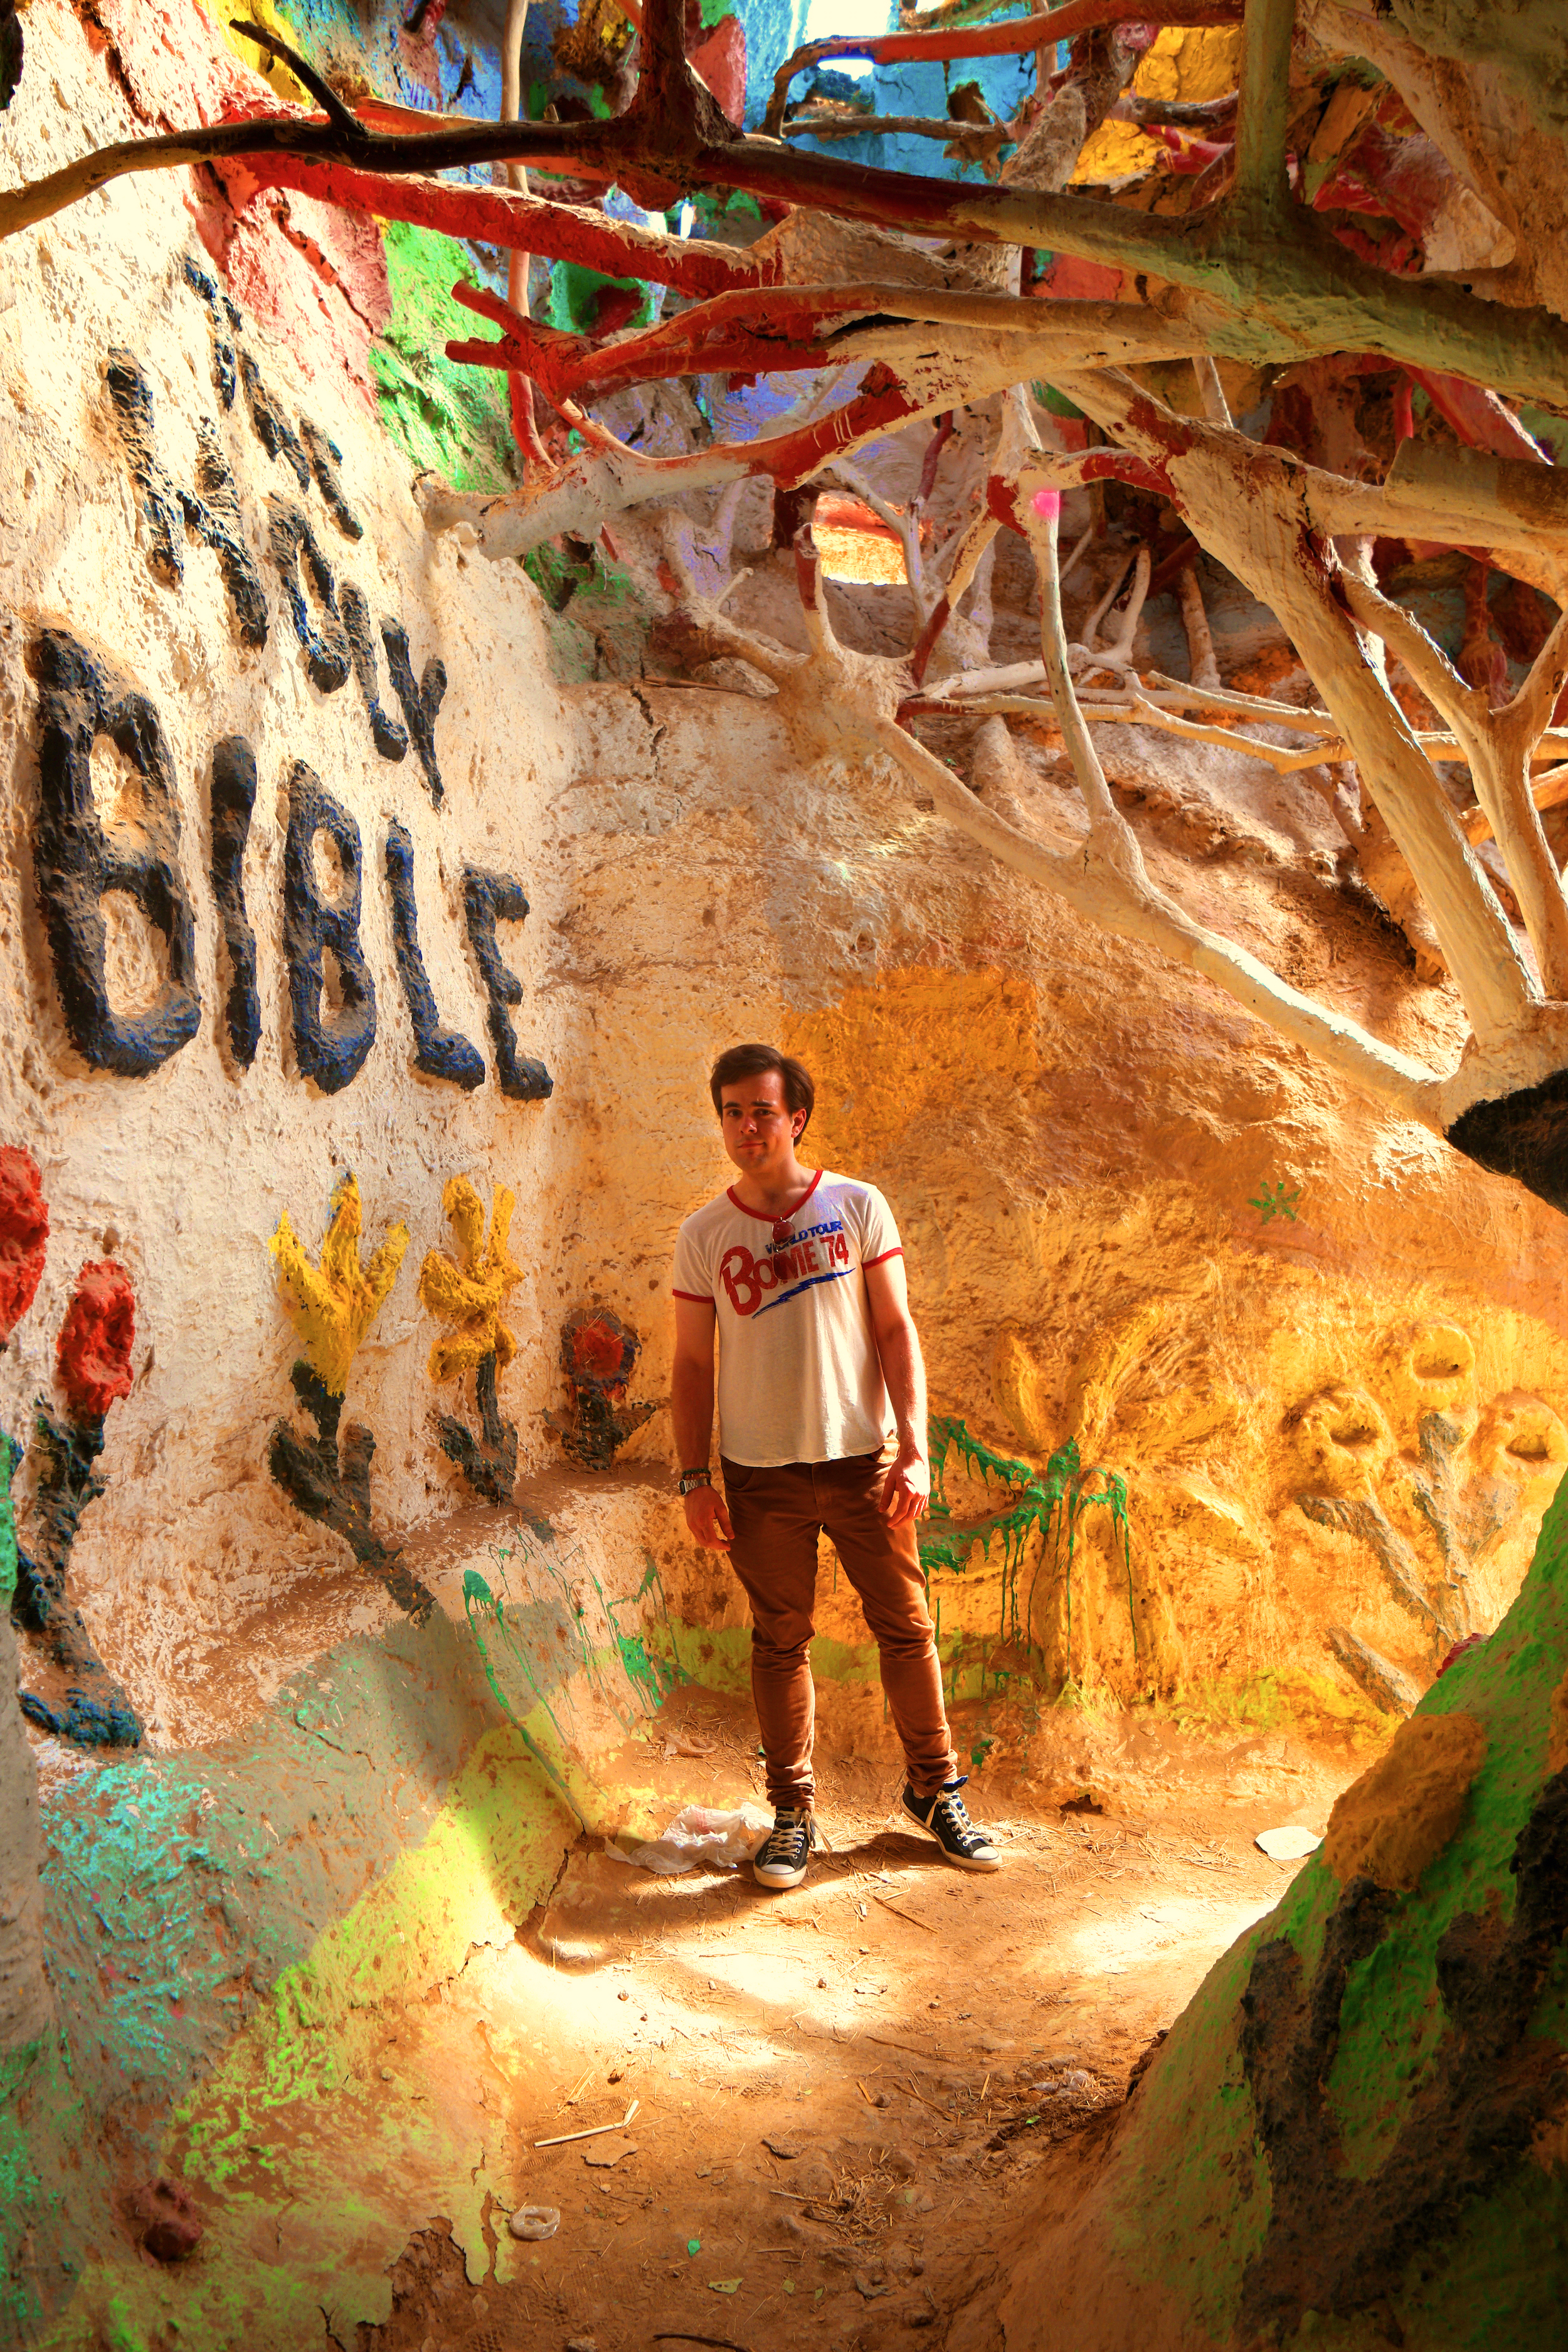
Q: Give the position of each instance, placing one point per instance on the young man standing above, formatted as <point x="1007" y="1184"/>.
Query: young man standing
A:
<point x="822" y="1415"/>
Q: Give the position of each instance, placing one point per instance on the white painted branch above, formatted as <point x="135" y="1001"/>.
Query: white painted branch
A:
<point x="1090" y="629"/>
<point x="1498" y="748"/>
<point x="1195" y="621"/>
<point x="1211" y="392"/>
<point x="976" y="539"/>
<point x="839" y="704"/>
<point x="1118" y="653"/>
<point x="1100" y="888"/>
<point x="1079" y="548"/>
<point x="1538" y="698"/>
<point x="1246" y="507"/>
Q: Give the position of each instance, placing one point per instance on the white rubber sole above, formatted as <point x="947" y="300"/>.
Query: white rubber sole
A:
<point x="957" y="1861"/>
<point x="780" y="1883"/>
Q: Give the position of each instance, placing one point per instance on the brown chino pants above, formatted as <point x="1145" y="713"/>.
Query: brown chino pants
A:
<point x="777" y="1514"/>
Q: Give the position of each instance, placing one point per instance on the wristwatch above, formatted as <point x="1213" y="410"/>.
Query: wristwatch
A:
<point x="691" y="1478"/>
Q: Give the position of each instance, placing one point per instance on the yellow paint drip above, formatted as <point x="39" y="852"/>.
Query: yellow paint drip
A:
<point x="469" y="1297"/>
<point x="332" y="1306"/>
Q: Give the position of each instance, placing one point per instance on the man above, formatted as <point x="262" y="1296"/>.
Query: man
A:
<point x="822" y="1414"/>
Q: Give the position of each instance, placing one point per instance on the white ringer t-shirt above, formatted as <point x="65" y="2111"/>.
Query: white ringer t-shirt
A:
<point x="799" y="1376"/>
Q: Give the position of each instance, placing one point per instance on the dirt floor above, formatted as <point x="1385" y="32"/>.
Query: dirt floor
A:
<point x="842" y="2091"/>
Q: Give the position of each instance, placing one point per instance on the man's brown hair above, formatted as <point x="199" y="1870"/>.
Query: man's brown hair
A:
<point x="750" y="1062"/>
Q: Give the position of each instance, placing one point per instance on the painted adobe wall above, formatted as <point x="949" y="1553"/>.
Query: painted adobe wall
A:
<point x="182" y="1174"/>
<point x="1086" y="1252"/>
<point x="1073" y="1135"/>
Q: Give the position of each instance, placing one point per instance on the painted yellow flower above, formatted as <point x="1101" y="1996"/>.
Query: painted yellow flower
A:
<point x="470" y="1298"/>
<point x="333" y="1305"/>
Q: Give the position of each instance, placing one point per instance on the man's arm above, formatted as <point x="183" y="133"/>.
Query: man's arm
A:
<point x="692" y="1411"/>
<point x="907" y="1489"/>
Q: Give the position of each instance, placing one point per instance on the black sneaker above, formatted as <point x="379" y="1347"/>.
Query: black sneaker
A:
<point x="945" y="1817"/>
<point x="781" y="1860"/>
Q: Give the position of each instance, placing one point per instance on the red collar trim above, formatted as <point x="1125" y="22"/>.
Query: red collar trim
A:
<point x="765" y="1216"/>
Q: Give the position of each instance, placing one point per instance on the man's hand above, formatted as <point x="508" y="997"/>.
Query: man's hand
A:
<point x="906" y="1491"/>
<point x="706" y="1519"/>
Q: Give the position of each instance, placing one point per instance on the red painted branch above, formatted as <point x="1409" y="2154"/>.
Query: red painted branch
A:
<point x="752" y="332"/>
<point x="805" y="567"/>
<point x="789" y="458"/>
<point x="1478" y="417"/>
<point x="932" y="458"/>
<point x="525" y="224"/>
<point x="925" y="643"/>
<point x="524" y="427"/>
<point x="1177" y="561"/>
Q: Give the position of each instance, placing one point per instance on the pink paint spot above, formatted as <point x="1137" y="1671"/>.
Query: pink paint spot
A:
<point x="1047" y="503"/>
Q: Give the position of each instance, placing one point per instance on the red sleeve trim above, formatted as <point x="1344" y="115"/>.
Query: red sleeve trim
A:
<point x="883" y="1259"/>
<point x="703" y="1298"/>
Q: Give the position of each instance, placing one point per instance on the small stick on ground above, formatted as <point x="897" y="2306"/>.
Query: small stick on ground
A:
<point x="884" y="2042"/>
<point x="680" y="2336"/>
<point x="889" y="1905"/>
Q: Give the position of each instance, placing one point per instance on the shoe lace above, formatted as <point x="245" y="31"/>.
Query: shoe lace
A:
<point x="955" y="1816"/>
<point x="783" y="1838"/>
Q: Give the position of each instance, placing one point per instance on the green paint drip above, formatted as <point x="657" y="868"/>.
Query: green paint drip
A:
<point x="452" y="418"/>
<point x="1049" y="1503"/>
<point x="517" y="1649"/>
<point x="10" y="1455"/>
<point x="481" y="1608"/>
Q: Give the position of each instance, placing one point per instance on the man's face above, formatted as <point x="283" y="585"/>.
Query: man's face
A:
<point x="759" y="1127"/>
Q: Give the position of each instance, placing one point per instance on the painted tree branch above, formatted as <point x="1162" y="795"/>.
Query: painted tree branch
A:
<point x="524" y="223"/>
<point x="1015" y="39"/>
<point x="1261" y="192"/>
<point x="837" y="704"/>
<point x="1301" y="288"/>
<point x="1498" y="745"/>
<point x="607" y="477"/>
<point x="1243" y="508"/>
<point x="812" y="327"/>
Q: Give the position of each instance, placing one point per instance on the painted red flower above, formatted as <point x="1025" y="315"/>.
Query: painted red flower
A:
<point x="95" y="1339"/>
<point x="597" y="1351"/>
<point x="24" y="1232"/>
